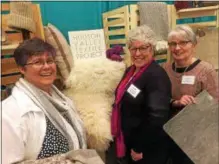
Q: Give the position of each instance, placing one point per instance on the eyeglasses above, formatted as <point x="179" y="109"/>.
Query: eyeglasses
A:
<point x="41" y="63"/>
<point x="181" y="44"/>
<point x="141" y="49"/>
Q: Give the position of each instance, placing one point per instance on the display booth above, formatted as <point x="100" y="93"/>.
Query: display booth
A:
<point x="118" y="22"/>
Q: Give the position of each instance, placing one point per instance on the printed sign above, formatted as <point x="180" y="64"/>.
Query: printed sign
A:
<point x="87" y="44"/>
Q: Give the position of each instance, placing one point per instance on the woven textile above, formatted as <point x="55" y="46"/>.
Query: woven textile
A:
<point x="64" y="58"/>
<point x="81" y="156"/>
<point x="154" y="15"/>
<point x="21" y="16"/>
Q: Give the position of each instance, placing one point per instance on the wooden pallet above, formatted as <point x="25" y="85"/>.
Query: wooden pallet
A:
<point x="117" y="23"/>
<point x="127" y="18"/>
<point x="198" y="12"/>
<point x="9" y="69"/>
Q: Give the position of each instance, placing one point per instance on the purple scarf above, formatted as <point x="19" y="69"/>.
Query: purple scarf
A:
<point x="116" y="115"/>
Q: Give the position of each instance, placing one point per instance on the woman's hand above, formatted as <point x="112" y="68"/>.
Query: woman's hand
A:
<point x="136" y="156"/>
<point x="184" y="100"/>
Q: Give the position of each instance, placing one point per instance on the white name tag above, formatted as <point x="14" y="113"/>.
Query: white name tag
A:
<point x="133" y="90"/>
<point x="188" y="80"/>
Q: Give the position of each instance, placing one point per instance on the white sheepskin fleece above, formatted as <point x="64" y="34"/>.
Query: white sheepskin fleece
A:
<point x="91" y="86"/>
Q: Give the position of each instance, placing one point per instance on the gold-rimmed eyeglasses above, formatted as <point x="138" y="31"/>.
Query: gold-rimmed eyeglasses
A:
<point x="180" y="44"/>
<point x="142" y="49"/>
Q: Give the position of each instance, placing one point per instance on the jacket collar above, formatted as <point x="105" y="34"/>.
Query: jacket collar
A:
<point x="24" y="102"/>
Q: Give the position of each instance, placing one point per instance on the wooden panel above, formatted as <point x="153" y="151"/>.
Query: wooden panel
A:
<point x="217" y="18"/>
<point x="15" y="37"/>
<point x="7" y="52"/>
<point x="200" y="9"/>
<point x="39" y="23"/>
<point x="4" y="21"/>
<point x="199" y="12"/>
<point x="118" y="24"/>
<point x="169" y="14"/>
<point x="9" y="47"/>
<point x="172" y="22"/>
<point x="116" y="16"/>
<point x="192" y="14"/>
<point x="207" y="48"/>
<point x="116" y="32"/>
<point x="9" y="66"/>
<point x="114" y="12"/>
<point x="117" y="41"/>
<point x="115" y="22"/>
<point x="210" y="3"/>
<point x="5" y="7"/>
<point x="133" y="8"/>
<point x="10" y="79"/>
<point x="174" y="16"/>
<point x="134" y="16"/>
<point x="203" y="24"/>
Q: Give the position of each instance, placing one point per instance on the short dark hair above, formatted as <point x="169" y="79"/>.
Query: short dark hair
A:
<point x="30" y="47"/>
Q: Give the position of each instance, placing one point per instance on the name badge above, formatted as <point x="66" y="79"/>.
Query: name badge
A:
<point x="133" y="90"/>
<point x="188" y="80"/>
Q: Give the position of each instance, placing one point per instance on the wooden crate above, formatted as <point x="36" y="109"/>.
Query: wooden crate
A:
<point x="208" y="11"/>
<point x="9" y="69"/>
<point x="118" y="22"/>
<point x="9" y="72"/>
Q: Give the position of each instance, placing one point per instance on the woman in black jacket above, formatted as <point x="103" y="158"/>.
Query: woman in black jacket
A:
<point x="141" y="104"/>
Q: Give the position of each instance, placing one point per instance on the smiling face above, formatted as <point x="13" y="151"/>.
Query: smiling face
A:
<point x="141" y="53"/>
<point x="181" y="48"/>
<point x="40" y="70"/>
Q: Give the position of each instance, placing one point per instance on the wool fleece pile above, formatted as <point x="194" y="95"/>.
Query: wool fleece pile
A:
<point x="91" y="86"/>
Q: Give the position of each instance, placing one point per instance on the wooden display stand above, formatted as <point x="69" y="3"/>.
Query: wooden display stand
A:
<point x="127" y="18"/>
<point x="10" y="72"/>
<point x="117" y="23"/>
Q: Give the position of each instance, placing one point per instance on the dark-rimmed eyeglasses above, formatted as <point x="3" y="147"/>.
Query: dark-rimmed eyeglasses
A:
<point x="181" y="43"/>
<point x="41" y="63"/>
<point x="142" y="49"/>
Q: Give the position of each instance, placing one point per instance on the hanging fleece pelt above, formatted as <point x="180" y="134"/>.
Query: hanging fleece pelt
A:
<point x="91" y="86"/>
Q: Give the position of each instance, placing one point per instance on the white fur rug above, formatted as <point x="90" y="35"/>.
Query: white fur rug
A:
<point x="91" y="86"/>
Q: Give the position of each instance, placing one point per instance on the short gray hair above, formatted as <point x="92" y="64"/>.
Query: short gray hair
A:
<point x="184" y="30"/>
<point x="142" y="33"/>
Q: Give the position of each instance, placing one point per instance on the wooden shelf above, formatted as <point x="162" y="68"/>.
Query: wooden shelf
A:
<point x="10" y="46"/>
<point x="198" y="9"/>
<point x="10" y="79"/>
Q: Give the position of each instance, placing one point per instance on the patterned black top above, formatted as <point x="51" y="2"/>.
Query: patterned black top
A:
<point x="54" y="142"/>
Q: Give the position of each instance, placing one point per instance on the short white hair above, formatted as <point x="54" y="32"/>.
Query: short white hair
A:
<point x="184" y="30"/>
<point x="142" y="33"/>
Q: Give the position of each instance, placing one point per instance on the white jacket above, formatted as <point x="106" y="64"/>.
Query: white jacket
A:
<point x="23" y="128"/>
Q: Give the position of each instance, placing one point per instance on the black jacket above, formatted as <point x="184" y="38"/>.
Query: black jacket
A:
<point x="143" y="117"/>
